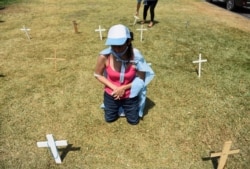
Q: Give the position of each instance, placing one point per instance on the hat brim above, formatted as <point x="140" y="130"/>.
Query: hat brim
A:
<point x="111" y="41"/>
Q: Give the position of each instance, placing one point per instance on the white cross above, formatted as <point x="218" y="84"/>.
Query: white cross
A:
<point x="26" y="31"/>
<point x="52" y="145"/>
<point x="141" y="29"/>
<point x="100" y="30"/>
<point x="136" y="18"/>
<point x="199" y="61"/>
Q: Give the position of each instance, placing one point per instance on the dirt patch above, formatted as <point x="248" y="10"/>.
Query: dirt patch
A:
<point x="223" y="16"/>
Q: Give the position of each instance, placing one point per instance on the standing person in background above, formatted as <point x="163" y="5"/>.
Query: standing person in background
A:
<point x="138" y="5"/>
<point x="149" y="4"/>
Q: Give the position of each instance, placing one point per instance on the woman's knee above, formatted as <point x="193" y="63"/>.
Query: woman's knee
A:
<point x="110" y="117"/>
<point x="133" y="121"/>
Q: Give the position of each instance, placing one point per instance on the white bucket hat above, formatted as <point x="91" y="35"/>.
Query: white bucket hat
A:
<point x="117" y="35"/>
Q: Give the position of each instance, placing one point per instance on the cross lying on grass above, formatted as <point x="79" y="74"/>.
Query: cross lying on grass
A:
<point x="141" y="29"/>
<point x="224" y="154"/>
<point x="26" y="31"/>
<point x="52" y="145"/>
<point x="199" y="61"/>
<point x="100" y="30"/>
<point x="55" y="60"/>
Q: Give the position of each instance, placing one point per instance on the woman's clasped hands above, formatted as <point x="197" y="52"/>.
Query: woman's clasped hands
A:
<point x="118" y="92"/>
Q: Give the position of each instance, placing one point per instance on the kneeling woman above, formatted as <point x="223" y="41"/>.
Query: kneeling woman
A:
<point x="117" y="68"/>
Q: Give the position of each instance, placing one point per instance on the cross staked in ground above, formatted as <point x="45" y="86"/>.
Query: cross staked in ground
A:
<point x="26" y="31"/>
<point x="100" y="30"/>
<point x="141" y="29"/>
<point x="199" y="61"/>
<point x="75" y="26"/>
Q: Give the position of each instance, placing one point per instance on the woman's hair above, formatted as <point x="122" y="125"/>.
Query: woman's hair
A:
<point x="132" y="36"/>
<point x="130" y="46"/>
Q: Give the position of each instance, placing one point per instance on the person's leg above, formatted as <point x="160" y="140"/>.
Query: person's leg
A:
<point x="131" y="109"/>
<point x="111" y="108"/>
<point x="145" y="11"/>
<point x="138" y="7"/>
<point x="152" y="13"/>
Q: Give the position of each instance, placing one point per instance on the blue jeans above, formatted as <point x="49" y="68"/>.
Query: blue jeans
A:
<point x="130" y="106"/>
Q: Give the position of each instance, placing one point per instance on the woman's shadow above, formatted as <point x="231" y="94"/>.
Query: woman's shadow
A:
<point x="149" y="105"/>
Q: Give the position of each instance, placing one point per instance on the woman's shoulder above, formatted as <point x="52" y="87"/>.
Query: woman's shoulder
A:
<point x="137" y="54"/>
<point x="105" y="52"/>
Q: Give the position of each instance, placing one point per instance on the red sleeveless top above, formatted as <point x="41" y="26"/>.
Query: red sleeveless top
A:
<point x="114" y="77"/>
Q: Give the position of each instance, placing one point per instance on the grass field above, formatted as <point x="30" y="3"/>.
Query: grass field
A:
<point x="186" y="117"/>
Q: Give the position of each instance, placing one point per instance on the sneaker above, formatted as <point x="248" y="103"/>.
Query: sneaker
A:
<point x="122" y="114"/>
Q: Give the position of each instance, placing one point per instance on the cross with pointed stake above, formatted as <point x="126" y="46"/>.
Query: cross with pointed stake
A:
<point x="224" y="154"/>
<point x="52" y="145"/>
<point x="136" y="18"/>
<point x="141" y="29"/>
<point x="100" y="30"/>
<point x="199" y="61"/>
<point x="55" y="60"/>
<point x="26" y="31"/>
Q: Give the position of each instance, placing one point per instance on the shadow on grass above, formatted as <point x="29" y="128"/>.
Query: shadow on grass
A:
<point x="67" y="149"/>
<point x="149" y="105"/>
<point x="147" y="22"/>
<point x="246" y="65"/>
<point x="1" y="75"/>
<point x="214" y="160"/>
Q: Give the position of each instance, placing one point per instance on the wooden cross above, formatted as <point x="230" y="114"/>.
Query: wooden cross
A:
<point x="187" y="24"/>
<point x="199" y="61"/>
<point x="55" y="60"/>
<point x="52" y="145"/>
<point x="141" y="29"/>
<point x="136" y="18"/>
<point x="26" y="31"/>
<point x="75" y="26"/>
<point x="224" y="154"/>
<point x="100" y="30"/>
